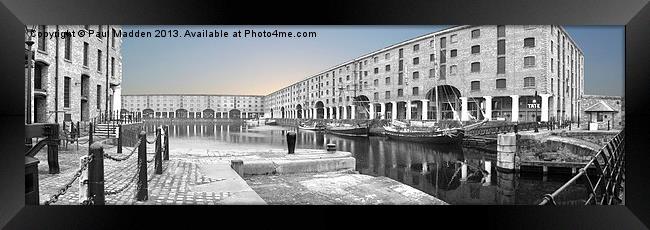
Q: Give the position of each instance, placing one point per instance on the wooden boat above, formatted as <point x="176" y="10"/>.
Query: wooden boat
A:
<point x="345" y="130"/>
<point x="314" y="127"/>
<point x="444" y="136"/>
<point x="271" y="122"/>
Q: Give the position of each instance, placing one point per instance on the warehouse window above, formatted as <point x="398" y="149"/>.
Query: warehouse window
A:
<point x="529" y="61"/>
<point x="416" y="91"/>
<point x="476" y="33"/>
<point x="401" y="53"/>
<point x="476" y="67"/>
<point x="529" y="82"/>
<point x="68" y="47"/>
<point x="42" y="46"/>
<point x="99" y="96"/>
<point x="85" y="54"/>
<point x="501" y="83"/>
<point x="416" y="61"/>
<point x="66" y="92"/>
<point x="387" y="80"/>
<point x="416" y="75"/>
<point x="501" y="47"/>
<point x="431" y="57"/>
<point x="501" y="65"/>
<point x="453" y="70"/>
<point x="400" y="92"/>
<point x="443" y="57"/>
<point x="443" y="43"/>
<point x="99" y="60"/>
<point x="112" y="66"/>
<point x="529" y="42"/>
<point x="443" y="72"/>
<point x="387" y="95"/>
<point x="431" y="72"/>
<point x="476" y="49"/>
<point x="416" y="47"/>
<point x="387" y="68"/>
<point x="475" y="86"/>
<point x="453" y="38"/>
<point x="453" y="53"/>
<point x="501" y="31"/>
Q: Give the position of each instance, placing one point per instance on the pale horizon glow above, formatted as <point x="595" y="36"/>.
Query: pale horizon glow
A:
<point x="260" y="66"/>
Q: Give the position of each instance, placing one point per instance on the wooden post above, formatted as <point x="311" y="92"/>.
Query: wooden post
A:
<point x="119" y="138"/>
<point x="53" y="149"/>
<point x="90" y="134"/>
<point x="96" y="174"/>
<point x="166" y="152"/>
<point x="158" y="157"/>
<point x="142" y="193"/>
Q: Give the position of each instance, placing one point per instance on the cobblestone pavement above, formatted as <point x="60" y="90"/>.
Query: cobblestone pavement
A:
<point x="172" y="187"/>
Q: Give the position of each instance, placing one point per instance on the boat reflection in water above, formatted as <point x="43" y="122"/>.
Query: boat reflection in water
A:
<point x="452" y="173"/>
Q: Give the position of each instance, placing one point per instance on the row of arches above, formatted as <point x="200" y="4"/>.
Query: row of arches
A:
<point x="448" y="98"/>
<point x="206" y="113"/>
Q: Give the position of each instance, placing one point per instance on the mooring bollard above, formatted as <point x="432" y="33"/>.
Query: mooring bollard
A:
<point x="158" y="156"/>
<point x="238" y="166"/>
<point x="142" y="194"/>
<point x="166" y="152"/>
<point x="331" y="147"/>
<point x="90" y="134"/>
<point x="53" y="149"/>
<point x="291" y="141"/>
<point x="119" y="138"/>
<point x="96" y="174"/>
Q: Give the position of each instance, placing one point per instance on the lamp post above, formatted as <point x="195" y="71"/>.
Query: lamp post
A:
<point x="28" y="84"/>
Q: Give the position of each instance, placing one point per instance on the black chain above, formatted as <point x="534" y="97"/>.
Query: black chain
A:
<point x="152" y="159"/>
<point x="106" y="155"/>
<point x="89" y="201"/>
<point x="54" y="198"/>
<point x="128" y="184"/>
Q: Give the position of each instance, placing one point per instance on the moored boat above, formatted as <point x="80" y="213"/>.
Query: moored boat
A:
<point x="314" y="127"/>
<point x="444" y="136"/>
<point x="271" y="122"/>
<point x="349" y="130"/>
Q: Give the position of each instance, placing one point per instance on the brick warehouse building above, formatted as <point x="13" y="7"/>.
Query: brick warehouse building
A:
<point x="485" y="71"/>
<point x="75" y="78"/>
<point x="193" y="106"/>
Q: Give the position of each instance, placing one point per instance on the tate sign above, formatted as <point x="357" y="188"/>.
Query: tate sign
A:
<point x="534" y="106"/>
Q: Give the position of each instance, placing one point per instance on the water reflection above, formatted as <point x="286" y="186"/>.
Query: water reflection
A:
<point x="454" y="174"/>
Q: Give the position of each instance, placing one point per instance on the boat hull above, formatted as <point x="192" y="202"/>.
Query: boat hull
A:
<point x="451" y="137"/>
<point x="311" y="128"/>
<point x="349" y="131"/>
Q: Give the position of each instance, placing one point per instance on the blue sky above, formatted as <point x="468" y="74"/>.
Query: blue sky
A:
<point x="262" y="65"/>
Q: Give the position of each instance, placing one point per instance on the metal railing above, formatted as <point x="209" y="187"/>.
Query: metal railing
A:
<point x="609" y="164"/>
